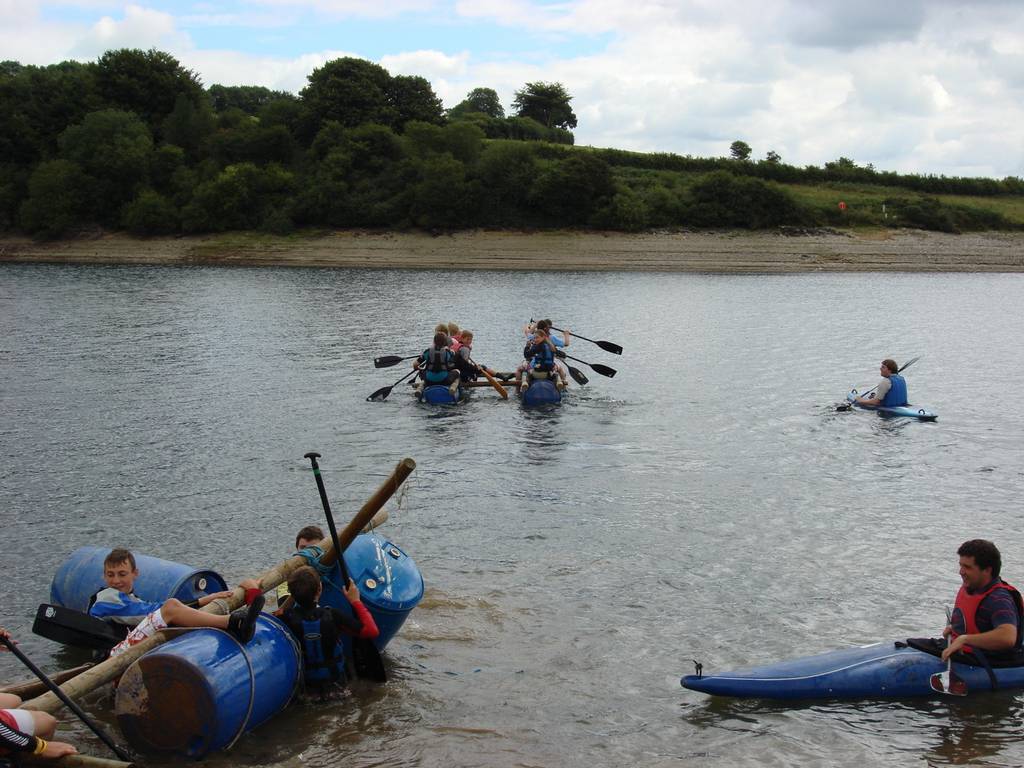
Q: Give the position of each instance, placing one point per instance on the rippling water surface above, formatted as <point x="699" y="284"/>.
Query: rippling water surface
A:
<point x="706" y="503"/>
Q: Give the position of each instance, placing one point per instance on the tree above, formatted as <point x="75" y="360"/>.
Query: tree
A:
<point x="150" y="213"/>
<point x="547" y="103"/>
<point x="58" y="194"/>
<point x="187" y="125"/>
<point x="248" y="98"/>
<point x="146" y="83"/>
<point x="412" y="98"/>
<point x="773" y="157"/>
<point x="114" y="148"/>
<point x="482" y="100"/>
<point x="740" y="150"/>
<point x="571" y="190"/>
<point x="351" y="91"/>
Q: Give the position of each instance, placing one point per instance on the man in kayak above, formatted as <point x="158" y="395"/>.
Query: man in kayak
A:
<point x="988" y="611"/>
<point x="891" y="391"/>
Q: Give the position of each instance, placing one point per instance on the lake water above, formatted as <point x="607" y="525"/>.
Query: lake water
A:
<point x="707" y="503"/>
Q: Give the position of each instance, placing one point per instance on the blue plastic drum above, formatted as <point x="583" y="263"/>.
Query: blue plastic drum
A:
<point x="390" y="584"/>
<point x="541" y="392"/>
<point x="199" y="692"/>
<point x="439" y="394"/>
<point x="81" y="576"/>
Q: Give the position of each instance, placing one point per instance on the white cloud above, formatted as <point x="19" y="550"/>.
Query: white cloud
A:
<point x="139" y="28"/>
<point x="355" y="8"/>
<point x="429" y="64"/>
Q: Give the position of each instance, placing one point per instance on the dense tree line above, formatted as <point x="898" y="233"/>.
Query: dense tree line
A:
<point x="134" y="141"/>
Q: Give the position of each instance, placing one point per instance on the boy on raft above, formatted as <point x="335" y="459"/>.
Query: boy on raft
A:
<point x="319" y="628"/>
<point x="118" y="604"/>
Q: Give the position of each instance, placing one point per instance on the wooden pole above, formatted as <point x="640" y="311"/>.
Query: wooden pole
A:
<point x="28" y="688"/>
<point x="111" y="669"/>
<point x="75" y="761"/>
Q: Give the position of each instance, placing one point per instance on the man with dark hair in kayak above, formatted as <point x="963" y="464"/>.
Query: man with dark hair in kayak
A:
<point x="891" y="391"/>
<point x="988" y="611"/>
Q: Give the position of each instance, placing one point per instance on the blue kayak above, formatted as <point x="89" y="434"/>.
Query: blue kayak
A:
<point x="879" y="670"/>
<point x="913" y="412"/>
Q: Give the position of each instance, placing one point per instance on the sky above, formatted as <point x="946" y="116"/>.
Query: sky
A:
<point x="915" y="86"/>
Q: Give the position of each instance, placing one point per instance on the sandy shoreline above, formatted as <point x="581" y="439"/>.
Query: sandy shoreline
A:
<point x="731" y="252"/>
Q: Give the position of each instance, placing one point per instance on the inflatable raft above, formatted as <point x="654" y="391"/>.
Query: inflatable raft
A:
<point x="910" y="411"/>
<point x="880" y="670"/>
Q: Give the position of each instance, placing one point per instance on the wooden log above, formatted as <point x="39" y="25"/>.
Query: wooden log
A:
<point x="111" y="669"/>
<point x="75" y="761"/>
<point x="34" y="687"/>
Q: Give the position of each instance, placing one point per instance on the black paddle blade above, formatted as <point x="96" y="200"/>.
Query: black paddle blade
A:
<point x="386" y="361"/>
<point x="367" y="661"/>
<point x="577" y="376"/>
<point x="607" y="346"/>
<point x="380" y="394"/>
<point x="604" y="370"/>
<point x="907" y="364"/>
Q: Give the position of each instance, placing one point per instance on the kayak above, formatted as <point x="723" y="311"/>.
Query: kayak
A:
<point x="880" y="670"/>
<point x="922" y="414"/>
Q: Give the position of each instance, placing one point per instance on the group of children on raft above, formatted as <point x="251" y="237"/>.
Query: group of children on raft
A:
<point x="318" y="630"/>
<point x="448" y="361"/>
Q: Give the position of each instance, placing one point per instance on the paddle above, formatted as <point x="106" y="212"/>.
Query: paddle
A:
<point x="386" y="361"/>
<point x="949" y="681"/>
<point x="607" y="346"/>
<point x="383" y="392"/>
<point x="604" y="370"/>
<point x="902" y="368"/>
<point x="367" y="658"/>
<point x="494" y="382"/>
<point x="64" y="698"/>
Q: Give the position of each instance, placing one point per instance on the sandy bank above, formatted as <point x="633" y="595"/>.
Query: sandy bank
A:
<point x="737" y="252"/>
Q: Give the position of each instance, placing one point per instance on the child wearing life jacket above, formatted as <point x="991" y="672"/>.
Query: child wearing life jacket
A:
<point x="540" y="357"/>
<point x="437" y="364"/>
<point x="468" y="370"/>
<point x="319" y="629"/>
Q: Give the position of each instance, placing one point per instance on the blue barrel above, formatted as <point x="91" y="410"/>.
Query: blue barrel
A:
<point x="390" y="584"/>
<point x="81" y="576"/>
<point x="199" y="692"/>
<point x="439" y="394"/>
<point x="541" y="392"/>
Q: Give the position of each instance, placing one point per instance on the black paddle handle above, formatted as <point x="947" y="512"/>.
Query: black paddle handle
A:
<point x="64" y="698"/>
<point x="313" y="456"/>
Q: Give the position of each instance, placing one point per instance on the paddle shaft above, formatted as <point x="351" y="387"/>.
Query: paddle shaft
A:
<point x="607" y="346"/>
<point x="383" y="392"/>
<point x="493" y="381"/>
<point x="64" y="698"/>
<point x="604" y="370"/>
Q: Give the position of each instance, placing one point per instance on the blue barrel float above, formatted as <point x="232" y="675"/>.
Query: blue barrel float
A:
<point x="81" y="576"/>
<point x="439" y="394"/>
<point x="390" y="585"/>
<point x="541" y="392"/>
<point x="199" y="692"/>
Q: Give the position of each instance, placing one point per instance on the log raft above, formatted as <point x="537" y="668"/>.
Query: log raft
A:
<point x="111" y="669"/>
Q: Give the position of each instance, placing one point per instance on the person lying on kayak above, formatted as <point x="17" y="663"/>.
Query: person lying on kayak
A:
<point x="319" y="628"/>
<point x="118" y="604"/>
<point x="891" y="391"/>
<point x="988" y="611"/>
<point x="437" y="364"/>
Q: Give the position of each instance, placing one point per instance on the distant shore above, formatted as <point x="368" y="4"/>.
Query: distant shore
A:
<point x="729" y="252"/>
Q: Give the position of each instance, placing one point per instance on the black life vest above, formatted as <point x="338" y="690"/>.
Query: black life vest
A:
<point x="437" y="360"/>
<point x="322" y="652"/>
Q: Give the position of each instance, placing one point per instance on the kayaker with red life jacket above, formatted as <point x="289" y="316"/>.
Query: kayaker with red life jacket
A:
<point x="988" y="611"/>
<point x="891" y="391"/>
